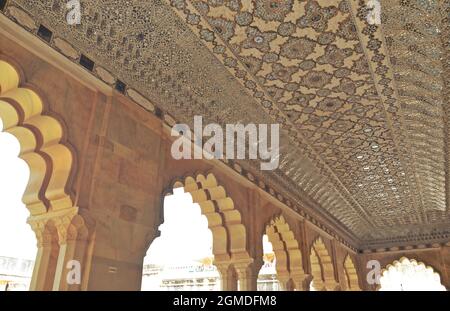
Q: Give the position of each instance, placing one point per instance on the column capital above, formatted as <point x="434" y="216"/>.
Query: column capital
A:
<point x="242" y="264"/>
<point x="61" y="226"/>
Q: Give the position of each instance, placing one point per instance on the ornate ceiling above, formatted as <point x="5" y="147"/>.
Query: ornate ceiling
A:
<point x="364" y="108"/>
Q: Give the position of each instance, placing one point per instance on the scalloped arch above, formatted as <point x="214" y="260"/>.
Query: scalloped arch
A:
<point x="224" y="220"/>
<point x="322" y="266"/>
<point x="351" y="275"/>
<point x="39" y="136"/>
<point x="289" y="262"/>
<point x="427" y="275"/>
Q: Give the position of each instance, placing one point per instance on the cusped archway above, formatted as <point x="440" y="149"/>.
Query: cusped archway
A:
<point x="322" y="267"/>
<point x="351" y="275"/>
<point x="289" y="262"/>
<point x="41" y="147"/>
<point x="410" y="275"/>
<point x="61" y="233"/>
<point x="225" y="222"/>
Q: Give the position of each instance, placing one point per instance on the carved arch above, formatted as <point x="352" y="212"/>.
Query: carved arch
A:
<point x="40" y="138"/>
<point x="62" y="236"/>
<point x="289" y="261"/>
<point x="322" y="266"/>
<point x="351" y="275"/>
<point x="61" y="233"/>
<point x="224" y="220"/>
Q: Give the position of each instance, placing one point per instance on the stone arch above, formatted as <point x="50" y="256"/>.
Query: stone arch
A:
<point x="322" y="266"/>
<point x="62" y="237"/>
<point x="225" y="222"/>
<point x="316" y="270"/>
<point x="40" y="138"/>
<point x="350" y="274"/>
<point x="61" y="232"/>
<point x="289" y="261"/>
<point x="418" y="267"/>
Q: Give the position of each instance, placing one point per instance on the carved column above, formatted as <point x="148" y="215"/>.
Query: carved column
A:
<point x="46" y="258"/>
<point x="301" y="281"/>
<point x="73" y="239"/>
<point x="228" y="276"/>
<point x="247" y="273"/>
<point x="284" y="279"/>
<point x="62" y="240"/>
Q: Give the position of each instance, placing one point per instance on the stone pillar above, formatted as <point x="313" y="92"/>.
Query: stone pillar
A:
<point x="284" y="279"/>
<point x="62" y="237"/>
<point x="43" y="272"/>
<point x="117" y="260"/>
<point x="228" y="276"/>
<point x="71" y="260"/>
<point x="301" y="281"/>
<point x="46" y="257"/>
<point x="247" y="275"/>
<point x="73" y="238"/>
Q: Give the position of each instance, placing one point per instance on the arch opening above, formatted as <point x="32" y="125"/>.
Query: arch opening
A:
<point x="181" y="258"/>
<point x="16" y="263"/>
<point x="228" y="254"/>
<point x="49" y="161"/>
<point x="410" y="275"/>
<point x="40" y="138"/>
<point x="267" y="276"/>
<point x="351" y="275"/>
<point x="288" y="257"/>
<point x="321" y="267"/>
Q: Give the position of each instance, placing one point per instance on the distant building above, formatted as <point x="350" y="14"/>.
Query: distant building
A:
<point x="15" y="273"/>
<point x="202" y="276"/>
<point x="181" y="277"/>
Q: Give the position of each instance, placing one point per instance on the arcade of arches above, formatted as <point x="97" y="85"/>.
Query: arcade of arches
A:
<point x="100" y="166"/>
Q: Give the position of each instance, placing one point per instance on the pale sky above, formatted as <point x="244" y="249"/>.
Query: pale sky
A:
<point x="16" y="237"/>
<point x="409" y="275"/>
<point x="185" y="237"/>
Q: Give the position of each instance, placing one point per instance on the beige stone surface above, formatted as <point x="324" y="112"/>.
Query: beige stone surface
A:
<point x="22" y="17"/>
<point x="105" y="75"/>
<point x="141" y="100"/>
<point x="66" y="48"/>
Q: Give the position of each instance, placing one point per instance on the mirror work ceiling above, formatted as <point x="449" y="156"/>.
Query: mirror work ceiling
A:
<point x="364" y="108"/>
